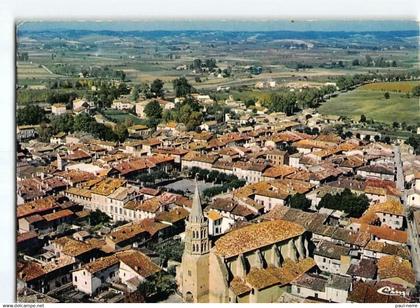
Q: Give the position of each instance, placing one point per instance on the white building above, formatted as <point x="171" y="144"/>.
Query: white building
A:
<point x="332" y="258"/>
<point x="129" y="267"/>
<point x="58" y="109"/>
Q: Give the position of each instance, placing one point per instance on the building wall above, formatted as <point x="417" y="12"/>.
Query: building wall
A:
<point x="366" y="174"/>
<point x="327" y="264"/>
<point x="187" y="164"/>
<point x="218" y="287"/>
<point x="89" y="283"/>
<point x="306" y="292"/>
<point x="267" y="295"/>
<point x="268" y="202"/>
<point x="250" y="176"/>
<point x="393" y="221"/>
<point x="413" y="199"/>
<point x="126" y="273"/>
<point x="336" y="295"/>
<point x="194" y="276"/>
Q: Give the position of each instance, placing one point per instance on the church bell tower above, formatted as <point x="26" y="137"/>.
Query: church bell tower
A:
<point x="194" y="269"/>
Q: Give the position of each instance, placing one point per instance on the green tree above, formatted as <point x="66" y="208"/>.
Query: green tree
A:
<point x="121" y="132"/>
<point x="181" y="87"/>
<point x="387" y="95"/>
<point x="62" y="123"/>
<point x="282" y="102"/>
<point x="249" y="102"/>
<point x="82" y="122"/>
<point x="153" y="110"/>
<point x="352" y="204"/>
<point x="195" y="120"/>
<point x="45" y="132"/>
<point x="157" y="287"/>
<point x="416" y="91"/>
<point x="30" y="115"/>
<point x="212" y="176"/>
<point x="299" y="201"/>
<point x="98" y="217"/>
<point x="414" y="141"/>
<point x="362" y="118"/>
<point x="157" y="88"/>
<point x="170" y="250"/>
<point x="135" y="92"/>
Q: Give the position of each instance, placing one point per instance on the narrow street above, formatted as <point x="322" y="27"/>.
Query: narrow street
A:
<point x="411" y="230"/>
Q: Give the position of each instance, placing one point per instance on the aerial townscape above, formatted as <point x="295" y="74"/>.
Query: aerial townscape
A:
<point x="265" y="162"/>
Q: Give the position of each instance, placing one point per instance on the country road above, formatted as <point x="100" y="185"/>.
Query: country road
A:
<point x="47" y="69"/>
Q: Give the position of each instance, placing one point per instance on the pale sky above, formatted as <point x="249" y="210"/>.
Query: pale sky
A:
<point x="213" y="8"/>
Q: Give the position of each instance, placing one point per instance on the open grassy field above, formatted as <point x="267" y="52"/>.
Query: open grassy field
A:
<point x="121" y="116"/>
<point x="401" y="86"/>
<point x="373" y="105"/>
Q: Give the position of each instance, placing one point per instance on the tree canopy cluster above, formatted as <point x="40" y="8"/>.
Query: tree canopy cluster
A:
<point x="346" y="82"/>
<point x="30" y="115"/>
<point x="82" y="123"/>
<point x="416" y="91"/>
<point x="157" y="287"/>
<point x="88" y="71"/>
<point x="352" y="204"/>
<point x="149" y="179"/>
<point x="199" y="65"/>
<point x="299" y="201"/>
<point x="98" y="217"/>
<point x="182" y="87"/>
<point x="186" y="112"/>
<point x="414" y="141"/>
<point x="290" y="102"/>
<point x="227" y="181"/>
<point x="153" y="111"/>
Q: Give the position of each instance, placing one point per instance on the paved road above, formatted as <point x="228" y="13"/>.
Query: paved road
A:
<point x="411" y="230"/>
<point x="47" y="69"/>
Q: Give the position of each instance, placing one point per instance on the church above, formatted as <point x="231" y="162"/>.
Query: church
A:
<point x="251" y="264"/>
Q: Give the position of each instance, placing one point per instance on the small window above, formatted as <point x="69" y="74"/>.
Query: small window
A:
<point x="298" y="290"/>
<point x="75" y="278"/>
<point x="189" y="273"/>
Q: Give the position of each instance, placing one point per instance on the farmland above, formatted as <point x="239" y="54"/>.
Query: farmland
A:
<point x="402" y="86"/>
<point x="144" y="56"/>
<point x="373" y="105"/>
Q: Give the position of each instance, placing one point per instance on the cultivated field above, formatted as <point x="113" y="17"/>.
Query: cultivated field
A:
<point x="373" y="105"/>
<point x="402" y="86"/>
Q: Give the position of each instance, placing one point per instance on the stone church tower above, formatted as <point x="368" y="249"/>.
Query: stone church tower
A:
<point x="193" y="274"/>
<point x="60" y="163"/>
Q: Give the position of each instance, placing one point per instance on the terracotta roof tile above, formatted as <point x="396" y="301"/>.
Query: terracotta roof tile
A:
<point x="393" y="266"/>
<point x="255" y="236"/>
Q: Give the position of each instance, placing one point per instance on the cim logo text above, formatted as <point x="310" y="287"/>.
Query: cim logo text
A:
<point x="390" y="291"/>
